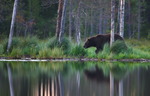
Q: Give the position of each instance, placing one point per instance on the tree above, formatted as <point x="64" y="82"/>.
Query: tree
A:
<point x="77" y="24"/>
<point x="10" y="80"/>
<point x="70" y="19"/>
<point x="112" y="21"/>
<point x="59" y="16"/>
<point x="139" y="18"/>
<point x="122" y="10"/>
<point x="61" y="19"/>
<point x="12" y="25"/>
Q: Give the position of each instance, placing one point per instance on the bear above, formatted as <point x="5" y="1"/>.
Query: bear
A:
<point x="99" y="40"/>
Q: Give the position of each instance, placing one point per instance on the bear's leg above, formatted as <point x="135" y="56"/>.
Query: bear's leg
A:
<point x="96" y="51"/>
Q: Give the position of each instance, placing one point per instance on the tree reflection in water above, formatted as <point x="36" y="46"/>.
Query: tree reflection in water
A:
<point x="10" y="80"/>
<point x="73" y="80"/>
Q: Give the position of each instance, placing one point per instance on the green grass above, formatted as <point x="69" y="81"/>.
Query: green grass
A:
<point x="51" y="48"/>
<point x="78" y="50"/>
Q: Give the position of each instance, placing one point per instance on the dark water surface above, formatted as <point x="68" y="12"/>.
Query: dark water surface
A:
<point x="74" y="79"/>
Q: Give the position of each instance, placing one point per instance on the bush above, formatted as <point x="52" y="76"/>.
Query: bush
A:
<point x="57" y="52"/>
<point x="65" y="44"/>
<point x="1" y="49"/>
<point x="16" y="52"/>
<point x="118" y="47"/>
<point x="44" y="53"/>
<point x="78" y="50"/>
<point x="30" y="46"/>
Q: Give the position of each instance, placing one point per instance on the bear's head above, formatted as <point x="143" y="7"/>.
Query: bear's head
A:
<point x="89" y="43"/>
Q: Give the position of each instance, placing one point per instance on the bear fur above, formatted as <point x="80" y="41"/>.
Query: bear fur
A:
<point x="98" y="41"/>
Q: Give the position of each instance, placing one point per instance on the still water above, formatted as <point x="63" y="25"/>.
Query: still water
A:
<point x="74" y="79"/>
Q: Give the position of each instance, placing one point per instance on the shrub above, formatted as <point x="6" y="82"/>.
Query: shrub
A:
<point x="1" y="49"/>
<point x="65" y="44"/>
<point x="118" y="47"/>
<point x="16" y="52"/>
<point x="30" y="46"/>
<point x="44" y="53"/>
<point x="78" y="50"/>
<point x="57" y="52"/>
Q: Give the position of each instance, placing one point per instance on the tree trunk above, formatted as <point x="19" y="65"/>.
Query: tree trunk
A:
<point x="129" y="18"/>
<point x="63" y="19"/>
<point x="10" y="80"/>
<point x="139" y="18"/>
<point x="111" y="84"/>
<point x="78" y="33"/>
<point x="112" y="21"/>
<point x="91" y="23"/>
<point x="70" y="19"/>
<point x="59" y="16"/>
<point x="60" y="84"/>
<point x="121" y="87"/>
<point x="122" y="9"/>
<point x="12" y="25"/>
<point x="100" y="22"/>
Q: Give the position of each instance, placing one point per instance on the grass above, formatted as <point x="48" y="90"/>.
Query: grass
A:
<point x="33" y="47"/>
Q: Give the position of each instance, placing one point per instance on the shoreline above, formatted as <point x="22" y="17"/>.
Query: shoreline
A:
<point x="70" y="59"/>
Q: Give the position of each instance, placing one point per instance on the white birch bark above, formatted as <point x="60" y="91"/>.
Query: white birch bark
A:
<point x="139" y="18"/>
<point x="12" y="25"/>
<point x="122" y="10"/>
<point x="62" y="25"/>
<point x="111" y="84"/>
<point x="78" y="33"/>
<point x="112" y="22"/>
<point x="70" y="19"/>
<point x="121" y="87"/>
<point x="10" y="80"/>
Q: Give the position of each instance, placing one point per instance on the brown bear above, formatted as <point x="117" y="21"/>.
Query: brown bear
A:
<point x="98" y="41"/>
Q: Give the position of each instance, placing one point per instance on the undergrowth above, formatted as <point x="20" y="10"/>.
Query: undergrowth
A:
<point x="51" y="48"/>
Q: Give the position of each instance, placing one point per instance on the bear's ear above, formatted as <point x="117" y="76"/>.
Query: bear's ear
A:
<point x="89" y="39"/>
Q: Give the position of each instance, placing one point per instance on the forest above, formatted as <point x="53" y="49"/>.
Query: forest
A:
<point x="59" y="28"/>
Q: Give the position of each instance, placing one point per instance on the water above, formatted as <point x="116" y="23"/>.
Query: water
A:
<point x="74" y="79"/>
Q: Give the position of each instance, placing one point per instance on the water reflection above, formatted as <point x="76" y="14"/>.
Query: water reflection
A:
<point x="74" y="79"/>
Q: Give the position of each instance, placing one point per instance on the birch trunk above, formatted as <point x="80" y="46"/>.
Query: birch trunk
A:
<point x="112" y="21"/>
<point x="12" y="25"/>
<point x="129" y="18"/>
<point x="62" y="25"/>
<point x="70" y="19"/>
<point x="91" y="23"/>
<point x="111" y="84"/>
<point x="59" y="16"/>
<point x="139" y="18"/>
<point x="10" y="80"/>
<point x="122" y="9"/>
<point x="100" y="22"/>
<point x="121" y="87"/>
<point x="78" y="33"/>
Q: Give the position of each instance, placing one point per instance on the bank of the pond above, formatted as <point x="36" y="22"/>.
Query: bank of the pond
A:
<point x="72" y="59"/>
<point x="35" y="48"/>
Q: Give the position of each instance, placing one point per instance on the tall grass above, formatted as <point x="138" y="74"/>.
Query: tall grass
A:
<point x="1" y="49"/>
<point x="105" y="52"/>
<point x="33" y="47"/>
<point x="65" y="44"/>
<point x="78" y="50"/>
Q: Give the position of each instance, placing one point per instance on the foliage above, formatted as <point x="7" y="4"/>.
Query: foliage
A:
<point x="78" y="50"/>
<point x="1" y="49"/>
<point x="118" y="47"/>
<point x="65" y="44"/>
<point x="16" y="53"/>
<point x="105" y="52"/>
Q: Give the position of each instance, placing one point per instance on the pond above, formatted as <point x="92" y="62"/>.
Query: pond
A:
<point x="74" y="79"/>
